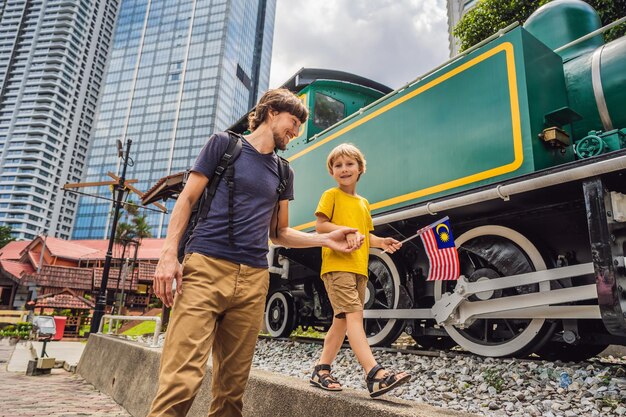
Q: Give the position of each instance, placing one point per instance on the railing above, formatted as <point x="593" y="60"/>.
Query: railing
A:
<point x="115" y="320"/>
<point x="12" y="316"/>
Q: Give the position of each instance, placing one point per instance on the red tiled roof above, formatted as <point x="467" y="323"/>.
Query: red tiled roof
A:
<point x="17" y="269"/>
<point x="129" y="284"/>
<point x="150" y="249"/>
<point x="146" y="271"/>
<point x="67" y="249"/>
<point x="34" y="259"/>
<point x="64" y="299"/>
<point x="12" y="250"/>
<point x="63" y="277"/>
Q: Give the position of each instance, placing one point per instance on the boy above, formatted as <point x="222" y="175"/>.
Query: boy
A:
<point x="345" y="274"/>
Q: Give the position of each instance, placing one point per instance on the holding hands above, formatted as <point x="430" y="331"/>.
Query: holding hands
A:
<point x="344" y="239"/>
<point x="348" y="240"/>
<point x="355" y="240"/>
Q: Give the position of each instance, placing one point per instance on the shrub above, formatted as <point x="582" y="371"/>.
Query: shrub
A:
<point x="494" y="379"/>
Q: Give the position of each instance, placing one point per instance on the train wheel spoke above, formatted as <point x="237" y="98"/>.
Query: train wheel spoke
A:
<point x="508" y="325"/>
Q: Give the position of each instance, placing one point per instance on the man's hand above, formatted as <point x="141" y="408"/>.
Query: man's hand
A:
<point x="168" y="269"/>
<point x="337" y="240"/>
<point x="390" y="245"/>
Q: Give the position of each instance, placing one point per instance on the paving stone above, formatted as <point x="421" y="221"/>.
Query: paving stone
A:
<point x="60" y="394"/>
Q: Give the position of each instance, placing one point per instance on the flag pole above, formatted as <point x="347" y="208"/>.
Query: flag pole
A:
<point x="423" y="229"/>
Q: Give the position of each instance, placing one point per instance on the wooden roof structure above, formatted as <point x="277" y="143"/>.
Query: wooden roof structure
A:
<point x="66" y="298"/>
<point x="164" y="189"/>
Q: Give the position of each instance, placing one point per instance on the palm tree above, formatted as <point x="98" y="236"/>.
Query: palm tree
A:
<point x="141" y="227"/>
<point x="133" y="227"/>
<point x="131" y="231"/>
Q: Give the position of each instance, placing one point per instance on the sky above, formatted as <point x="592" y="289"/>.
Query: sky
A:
<point x="389" y="41"/>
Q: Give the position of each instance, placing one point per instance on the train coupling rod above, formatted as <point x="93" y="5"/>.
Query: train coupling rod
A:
<point x="449" y="308"/>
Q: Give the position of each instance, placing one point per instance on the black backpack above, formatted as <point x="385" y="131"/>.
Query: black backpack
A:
<point x="225" y="168"/>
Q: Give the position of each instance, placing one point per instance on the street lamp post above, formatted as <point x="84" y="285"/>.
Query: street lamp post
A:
<point x="32" y="285"/>
<point x="102" y="293"/>
<point x="126" y="273"/>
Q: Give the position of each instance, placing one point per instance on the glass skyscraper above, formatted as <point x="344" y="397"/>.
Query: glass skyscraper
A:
<point x="53" y="55"/>
<point x="179" y="71"/>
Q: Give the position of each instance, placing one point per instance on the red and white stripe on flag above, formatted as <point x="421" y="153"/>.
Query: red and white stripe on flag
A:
<point x="444" y="263"/>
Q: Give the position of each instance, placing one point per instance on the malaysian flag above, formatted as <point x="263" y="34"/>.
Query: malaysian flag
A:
<point x="442" y="254"/>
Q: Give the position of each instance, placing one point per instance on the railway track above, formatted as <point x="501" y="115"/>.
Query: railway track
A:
<point x="412" y="350"/>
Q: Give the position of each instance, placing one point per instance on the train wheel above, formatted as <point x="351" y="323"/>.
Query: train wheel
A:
<point x="553" y="351"/>
<point x="383" y="292"/>
<point x="435" y="342"/>
<point x="280" y="314"/>
<point x="432" y="341"/>
<point x="490" y="252"/>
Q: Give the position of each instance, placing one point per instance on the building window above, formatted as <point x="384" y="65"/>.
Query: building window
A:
<point x="243" y="77"/>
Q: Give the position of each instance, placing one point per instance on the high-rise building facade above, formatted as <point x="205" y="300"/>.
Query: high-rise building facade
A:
<point x="456" y="10"/>
<point x="179" y="70"/>
<point x="53" y="55"/>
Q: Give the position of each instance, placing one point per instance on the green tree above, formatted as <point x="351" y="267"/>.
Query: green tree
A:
<point x="489" y="16"/>
<point x="133" y="225"/>
<point x="131" y="230"/>
<point x="5" y="235"/>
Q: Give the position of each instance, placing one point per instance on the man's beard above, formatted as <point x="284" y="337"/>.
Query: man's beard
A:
<point x="280" y="142"/>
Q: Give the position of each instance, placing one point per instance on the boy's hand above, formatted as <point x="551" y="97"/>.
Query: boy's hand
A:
<point x="390" y="245"/>
<point x="337" y="240"/>
<point x="355" y="240"/>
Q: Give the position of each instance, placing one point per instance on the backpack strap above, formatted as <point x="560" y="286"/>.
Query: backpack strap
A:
<point x="229" y="178"/>
<point x="283" y="179"/>
<point x="228" y="158"/>
<point x="283" y="174"/>
<point x="201" y="208"/>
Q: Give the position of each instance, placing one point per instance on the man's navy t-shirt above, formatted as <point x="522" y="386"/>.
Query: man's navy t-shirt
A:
<point x="255" y="196"/>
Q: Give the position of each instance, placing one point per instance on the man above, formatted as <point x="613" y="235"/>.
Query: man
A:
<point x="222" y="285"/>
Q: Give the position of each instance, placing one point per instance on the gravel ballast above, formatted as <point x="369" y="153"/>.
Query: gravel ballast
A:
<point x="469" y="383"/>
<point x="488" y="386"/>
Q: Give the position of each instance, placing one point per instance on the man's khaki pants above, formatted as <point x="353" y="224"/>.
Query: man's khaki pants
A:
<point x="221" y="307"/>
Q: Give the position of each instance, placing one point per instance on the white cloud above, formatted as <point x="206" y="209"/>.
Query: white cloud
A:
<point x="389" y="41"/>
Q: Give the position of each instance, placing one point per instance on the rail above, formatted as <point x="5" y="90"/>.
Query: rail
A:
<point x="509" y="188"/>
<point x="115" y="319"/>
<point x="591" y="35"/>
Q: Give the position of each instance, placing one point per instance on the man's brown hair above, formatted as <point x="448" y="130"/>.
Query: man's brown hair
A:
<point x="280" y="100"/>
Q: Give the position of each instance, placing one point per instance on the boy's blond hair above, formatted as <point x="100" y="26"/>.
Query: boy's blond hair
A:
<point x="349" y="150"/>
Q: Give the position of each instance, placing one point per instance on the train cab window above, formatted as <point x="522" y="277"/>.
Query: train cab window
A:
<point x="328" y="111"/>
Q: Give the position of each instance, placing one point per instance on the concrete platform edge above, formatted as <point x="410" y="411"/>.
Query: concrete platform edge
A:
<point x="128" y="372"/>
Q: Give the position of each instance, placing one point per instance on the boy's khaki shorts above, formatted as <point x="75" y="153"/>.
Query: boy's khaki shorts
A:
<point x="346" y="291"/>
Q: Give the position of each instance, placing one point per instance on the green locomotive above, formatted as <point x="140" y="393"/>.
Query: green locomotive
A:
<point x="520" y="141"/>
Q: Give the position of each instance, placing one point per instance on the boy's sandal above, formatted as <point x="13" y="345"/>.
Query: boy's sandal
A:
<point x="379" y="386"/>
<point x="324" y="381"/>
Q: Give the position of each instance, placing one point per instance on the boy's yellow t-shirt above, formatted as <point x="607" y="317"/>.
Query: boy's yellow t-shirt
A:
<point x="352" y="211"/>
